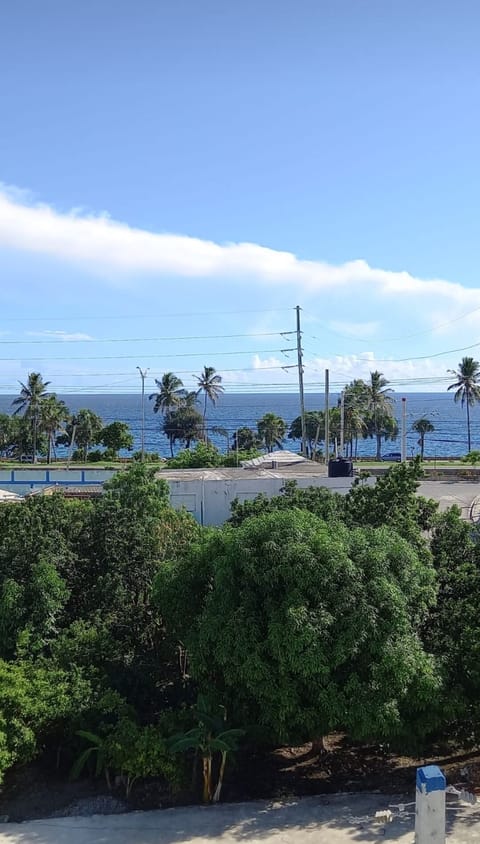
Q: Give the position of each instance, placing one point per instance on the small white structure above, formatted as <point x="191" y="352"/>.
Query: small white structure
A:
<point x="6" y="495"/>
<point x="430" y="806"/>
<point x="273" y="460"/>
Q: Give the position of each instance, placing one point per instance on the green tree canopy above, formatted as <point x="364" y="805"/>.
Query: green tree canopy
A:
<point x="422" y="427"/>
<point x="84" y="429"/>
<point x="54" y="414"/>
<point x="314" y="428"/>
<point x="210" y="384"/>
<point x="379" y="405"/>
<point x="115" y="437"/>
<point x="169" y="393"/>
<point x="271" y="431"/>
<point x="245" y="439"/>
<point x="306" y="627"/>
<point x="29" y="402"/>
<point x="183" y="424"/>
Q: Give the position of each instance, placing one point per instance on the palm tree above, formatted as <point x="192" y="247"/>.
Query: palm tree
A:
<point x="381" y="427"/>
<point x="53" y="414"/>
<point x="271" y="430"/>
<point x="83" y="429"/>
<point x="32" y="394"/>
<point x="170" y="393"/>
<point x="422" y="426"/>
<point x="379" y="405"/>
<point x="183" y="423"/>
<point x="210" y="384"/>
<point x="356" y="412"/>
<point x="467" y="387"/>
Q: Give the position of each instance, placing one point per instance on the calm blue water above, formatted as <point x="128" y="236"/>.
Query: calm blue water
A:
<point x="234" y="411"/>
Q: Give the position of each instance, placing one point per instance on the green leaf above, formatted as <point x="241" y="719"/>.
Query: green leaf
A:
<point x="79" y="763"/>
<point x="96" y="740"/>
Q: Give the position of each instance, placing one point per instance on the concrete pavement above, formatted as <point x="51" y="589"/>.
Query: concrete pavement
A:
<point x="336" y="819"/>
<point x="450" y="492"/>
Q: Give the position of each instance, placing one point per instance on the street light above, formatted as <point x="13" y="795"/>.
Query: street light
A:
<point x="143" y="375"/>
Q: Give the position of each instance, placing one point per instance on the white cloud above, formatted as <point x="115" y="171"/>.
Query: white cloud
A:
<point x="107" y="246"/>
<point x="355" y="330"/>
<point x="75" y="336"/>
<point x="406" y="375"/>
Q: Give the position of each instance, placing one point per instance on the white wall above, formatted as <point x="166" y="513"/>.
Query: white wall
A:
<point x="210" y="500"/>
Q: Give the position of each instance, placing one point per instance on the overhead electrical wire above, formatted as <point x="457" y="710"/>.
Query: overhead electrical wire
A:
<point x="60" y="341"/>
<point x="157" y="316"/>
<point x="150" y="357"/>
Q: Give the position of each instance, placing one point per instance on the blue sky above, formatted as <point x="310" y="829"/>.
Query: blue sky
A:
<point x="176" y="173"/>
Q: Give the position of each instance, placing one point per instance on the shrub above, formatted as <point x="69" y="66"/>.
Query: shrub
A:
<point x="148" y="457"/>
<point x="473" y="458"/>
<point x="95" y="456"/>
<point x="203" y="456"/>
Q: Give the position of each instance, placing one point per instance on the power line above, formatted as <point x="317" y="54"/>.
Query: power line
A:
<point x="155" y="316"/>
<point x="149" y="357"/>
<point x="64" y="340"/>
<point x="424" y="331"/>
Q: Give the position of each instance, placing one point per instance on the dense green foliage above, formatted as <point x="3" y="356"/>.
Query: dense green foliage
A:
<point x="307" y="627"/>
<point x="308" y="612"/>
<point x="76" y="619"/>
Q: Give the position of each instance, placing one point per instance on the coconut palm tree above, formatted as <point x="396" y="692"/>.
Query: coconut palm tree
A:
<point x="379" y="405"/>
<point x="271" y="430"/>
<point x="82" y="430"/>
<point x="467" y="387"/>
<point x="183" y="423"/>
<point x="170" y="393"/>
<point x="422" y="426"/>
<point x="210" y="384"/>
<point x="54" y="414"/>
<point x="32" y="394"/>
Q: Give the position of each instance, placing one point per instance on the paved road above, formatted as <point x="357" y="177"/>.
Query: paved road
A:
<point x="335" y="820"/>
<point x="461" y="493"/>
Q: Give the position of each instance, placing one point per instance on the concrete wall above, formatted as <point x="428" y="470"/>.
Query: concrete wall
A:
<point x="209" y="501"/>
<point x="25" y="480"/>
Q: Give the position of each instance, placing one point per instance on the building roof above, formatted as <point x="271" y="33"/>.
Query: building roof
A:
<point x="6" y="495"/>
<point x="70" y="491"/>
<point x="274" y="460"/>
<point x="289" y="472"/>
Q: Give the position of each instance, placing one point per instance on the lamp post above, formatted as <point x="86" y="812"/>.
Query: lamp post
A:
<point x="143" y="375"/>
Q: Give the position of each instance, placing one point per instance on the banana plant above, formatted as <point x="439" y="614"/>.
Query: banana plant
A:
<point x="207" y="739"/>
<point x="98" y="747"/>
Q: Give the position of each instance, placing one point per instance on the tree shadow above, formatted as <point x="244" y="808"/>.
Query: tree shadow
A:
<point x="322" y="820"/>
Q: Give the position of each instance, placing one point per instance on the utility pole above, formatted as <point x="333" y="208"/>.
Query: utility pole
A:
<point x="404" y="430"/>
<point x="327" y="415"/>
<point x="300" y="383"/>
<point x="342" y="423"/>
<point x="143" y="375"/>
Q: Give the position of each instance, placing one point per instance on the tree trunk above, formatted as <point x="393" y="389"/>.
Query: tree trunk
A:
<point x="318" y="746"/>
<point x="216" y="796"/>
<point x="207" y="776"/>
<point x="379" y="446"/>
<point x="468" y="424"/>
<point x="49" y="452"/>
<point x="422" y="445"/>
<point x="34" y="437"/>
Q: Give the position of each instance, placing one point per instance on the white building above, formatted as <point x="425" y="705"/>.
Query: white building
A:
<point x="208" y="493"/>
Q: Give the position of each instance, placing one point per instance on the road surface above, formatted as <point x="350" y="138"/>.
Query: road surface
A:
<point x="339" y="819"/>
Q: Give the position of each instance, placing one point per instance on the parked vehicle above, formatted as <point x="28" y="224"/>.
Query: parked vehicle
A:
<point x="392" y="457"/>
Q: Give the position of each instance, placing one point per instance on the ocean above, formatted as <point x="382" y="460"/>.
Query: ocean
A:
<point x="236" y="410"/>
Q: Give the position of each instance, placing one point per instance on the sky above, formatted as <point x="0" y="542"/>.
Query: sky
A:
<point x="176" y="176"/>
